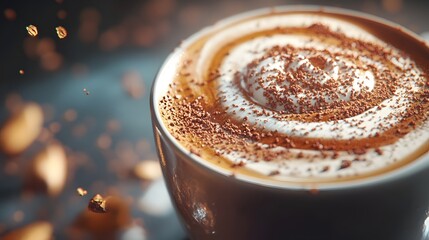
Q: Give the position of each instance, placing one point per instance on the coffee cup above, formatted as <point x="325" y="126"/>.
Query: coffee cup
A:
<point x="244" y="178"/>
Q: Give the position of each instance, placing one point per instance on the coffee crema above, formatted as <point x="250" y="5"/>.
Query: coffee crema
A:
<point x="302" y="96"/>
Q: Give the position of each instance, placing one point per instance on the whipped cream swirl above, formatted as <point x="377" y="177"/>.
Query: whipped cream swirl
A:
<point x="302" y="80"/>
<point x="302" y="96"/>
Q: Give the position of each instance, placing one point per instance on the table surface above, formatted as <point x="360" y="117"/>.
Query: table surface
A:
<point x="82" y="83"/>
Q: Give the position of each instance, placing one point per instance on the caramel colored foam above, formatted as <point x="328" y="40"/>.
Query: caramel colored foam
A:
<point x="194" y="110"/>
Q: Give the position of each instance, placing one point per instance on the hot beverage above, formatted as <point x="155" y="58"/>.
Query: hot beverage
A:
<point x="301" y="97"/>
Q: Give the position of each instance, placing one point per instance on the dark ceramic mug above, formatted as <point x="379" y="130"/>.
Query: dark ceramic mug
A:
<point x="213" y="204"/>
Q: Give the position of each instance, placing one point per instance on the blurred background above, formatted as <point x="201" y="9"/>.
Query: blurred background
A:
<point x="75" y="78"/>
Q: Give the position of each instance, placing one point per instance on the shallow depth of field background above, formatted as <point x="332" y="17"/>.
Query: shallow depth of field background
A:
<point x="93" y="89"/>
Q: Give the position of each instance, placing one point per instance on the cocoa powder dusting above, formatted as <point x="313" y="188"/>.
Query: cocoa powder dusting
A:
<point x="193" y="112"/>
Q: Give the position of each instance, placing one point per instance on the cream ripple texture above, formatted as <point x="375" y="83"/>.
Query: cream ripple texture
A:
<point x="256" y="86"/>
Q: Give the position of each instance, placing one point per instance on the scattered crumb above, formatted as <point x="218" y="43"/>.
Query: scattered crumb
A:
<point x="61" y="32"/>
<point x="147" y="170"/>
<point x="133" y="84"/>
<point x="38" y="230"/>
<point x="86" y="91"/>
<point x="81" y="191"/>
<point x="113" y="125"/>
<point x="32" y="30"/>
<point x="21" y="129"/>
<point x="70" y="115"/>
<point x="97" y="204"/>
<point x="48" y="171"/>
<point x="104" y="141"/>
<point x="18" y="216"/>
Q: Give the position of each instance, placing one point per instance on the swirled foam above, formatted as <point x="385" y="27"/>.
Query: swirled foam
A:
<point x="299" y="97"/>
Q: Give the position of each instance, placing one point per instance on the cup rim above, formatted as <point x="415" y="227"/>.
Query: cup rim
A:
<point x="390" y="176"/>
